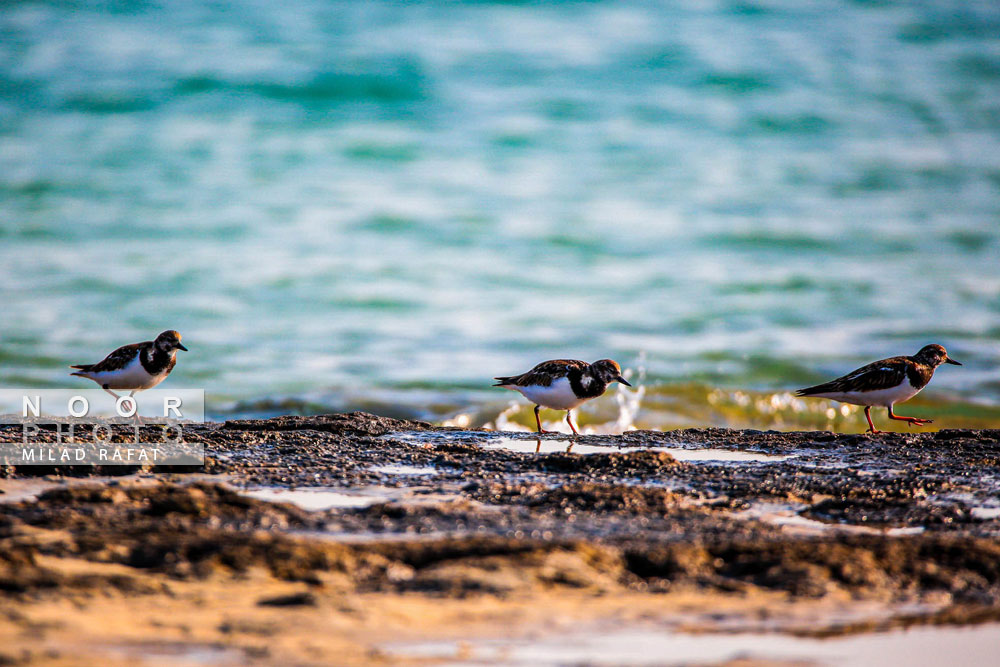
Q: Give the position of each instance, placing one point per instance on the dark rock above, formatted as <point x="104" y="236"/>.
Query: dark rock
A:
<point x="302" y="599"/>
<point x="352" y="423"/>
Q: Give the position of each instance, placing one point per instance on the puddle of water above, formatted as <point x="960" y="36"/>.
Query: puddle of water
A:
<point x="20" y="490"/>
<point x="319" y="498"/>
<point x="179" y="653"/>
<point x="724" y="455"/>
<point x="552" y="446"/>
<point x="371" y="537"/>
<point x="787" y="516"/>
<point x="315" y="499"/>
<point x="985" y="513"/>
<point x="401" y="469"/>
<point x="915" y="647"/>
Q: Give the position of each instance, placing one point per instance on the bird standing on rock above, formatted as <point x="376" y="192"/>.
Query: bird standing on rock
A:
<point x="563" y="384"/>
<point x="135" y="367"/>
<point x="885" y="383"/>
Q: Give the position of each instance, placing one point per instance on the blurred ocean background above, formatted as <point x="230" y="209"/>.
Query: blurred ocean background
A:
<point x="381" y="205"/>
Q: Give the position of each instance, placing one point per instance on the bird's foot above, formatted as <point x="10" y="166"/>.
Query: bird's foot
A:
<point x="918" y="421"/>
<point x="874" y="431"/>
<point x="544" y="432"/>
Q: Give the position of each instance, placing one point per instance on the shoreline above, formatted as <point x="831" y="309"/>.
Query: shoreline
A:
<point x="662" y="406"/>
<point x="415" y="533"/>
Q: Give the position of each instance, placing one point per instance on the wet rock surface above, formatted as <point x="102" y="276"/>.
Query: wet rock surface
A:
<point x="355" y="423"/>
<point x="902" y="518"/>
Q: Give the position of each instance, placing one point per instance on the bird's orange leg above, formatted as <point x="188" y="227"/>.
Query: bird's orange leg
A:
<point x="570" y="422"/>
<point x="909" y="420"/>
<point x="105" y="388"/>
<point x="131" y="399"/>
<point x="868" y="416"/>
<point x="538" y="422"/>
<point x="138" y="419"/>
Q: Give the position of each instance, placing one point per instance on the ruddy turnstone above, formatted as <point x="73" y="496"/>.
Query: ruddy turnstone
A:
<point x="563" y="384"/>
<point x="885" y="383"/>
<point x="135" y="367"/>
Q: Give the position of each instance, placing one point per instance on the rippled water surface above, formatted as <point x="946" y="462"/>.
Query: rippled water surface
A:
<point x="381" y="205"/>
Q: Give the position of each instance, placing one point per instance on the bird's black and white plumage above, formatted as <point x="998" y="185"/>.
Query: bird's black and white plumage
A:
<point x="135" y="367"/>
<point x="885" y="383"/>
<point x="563" y="384"/>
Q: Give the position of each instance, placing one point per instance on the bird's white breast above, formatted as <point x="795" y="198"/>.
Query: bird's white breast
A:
<point x="880" y="397"/>
<point x="558" y="395"/>
<point x="132" y="376"/>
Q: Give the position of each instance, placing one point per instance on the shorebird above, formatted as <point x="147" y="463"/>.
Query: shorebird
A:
<point x="135" y="367"/>
<point x="885" y="383"/>
<point x="563" y="384"/>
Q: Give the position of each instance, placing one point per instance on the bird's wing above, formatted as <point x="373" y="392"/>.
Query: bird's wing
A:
<point x="118" y="359"/>
<point x="544" y="373"/>
<point x="883" y="374"/>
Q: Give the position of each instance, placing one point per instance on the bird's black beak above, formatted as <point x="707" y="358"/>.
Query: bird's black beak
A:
<point x="949" y="360"/>
<point x="181" y="347"/>
<point x="623" y="381"/>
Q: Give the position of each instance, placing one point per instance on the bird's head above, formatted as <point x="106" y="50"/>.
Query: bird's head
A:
<point x="609" y="371"/>
<point x="168" y="341"/>
<point x="934" y="355"/>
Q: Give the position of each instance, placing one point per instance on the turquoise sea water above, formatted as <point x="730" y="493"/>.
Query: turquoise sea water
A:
<point x="381" y="205"/>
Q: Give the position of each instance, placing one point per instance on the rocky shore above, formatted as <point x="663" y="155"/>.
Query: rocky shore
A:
<point x="320" y="540"/>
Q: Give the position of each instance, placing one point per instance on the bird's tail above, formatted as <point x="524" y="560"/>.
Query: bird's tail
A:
<point x="502" y="381"/>
<point x="818" y="389"/>
<point x="85" y="368"/>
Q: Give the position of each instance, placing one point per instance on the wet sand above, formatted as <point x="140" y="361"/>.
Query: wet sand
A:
<point x="355" y="539"/>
